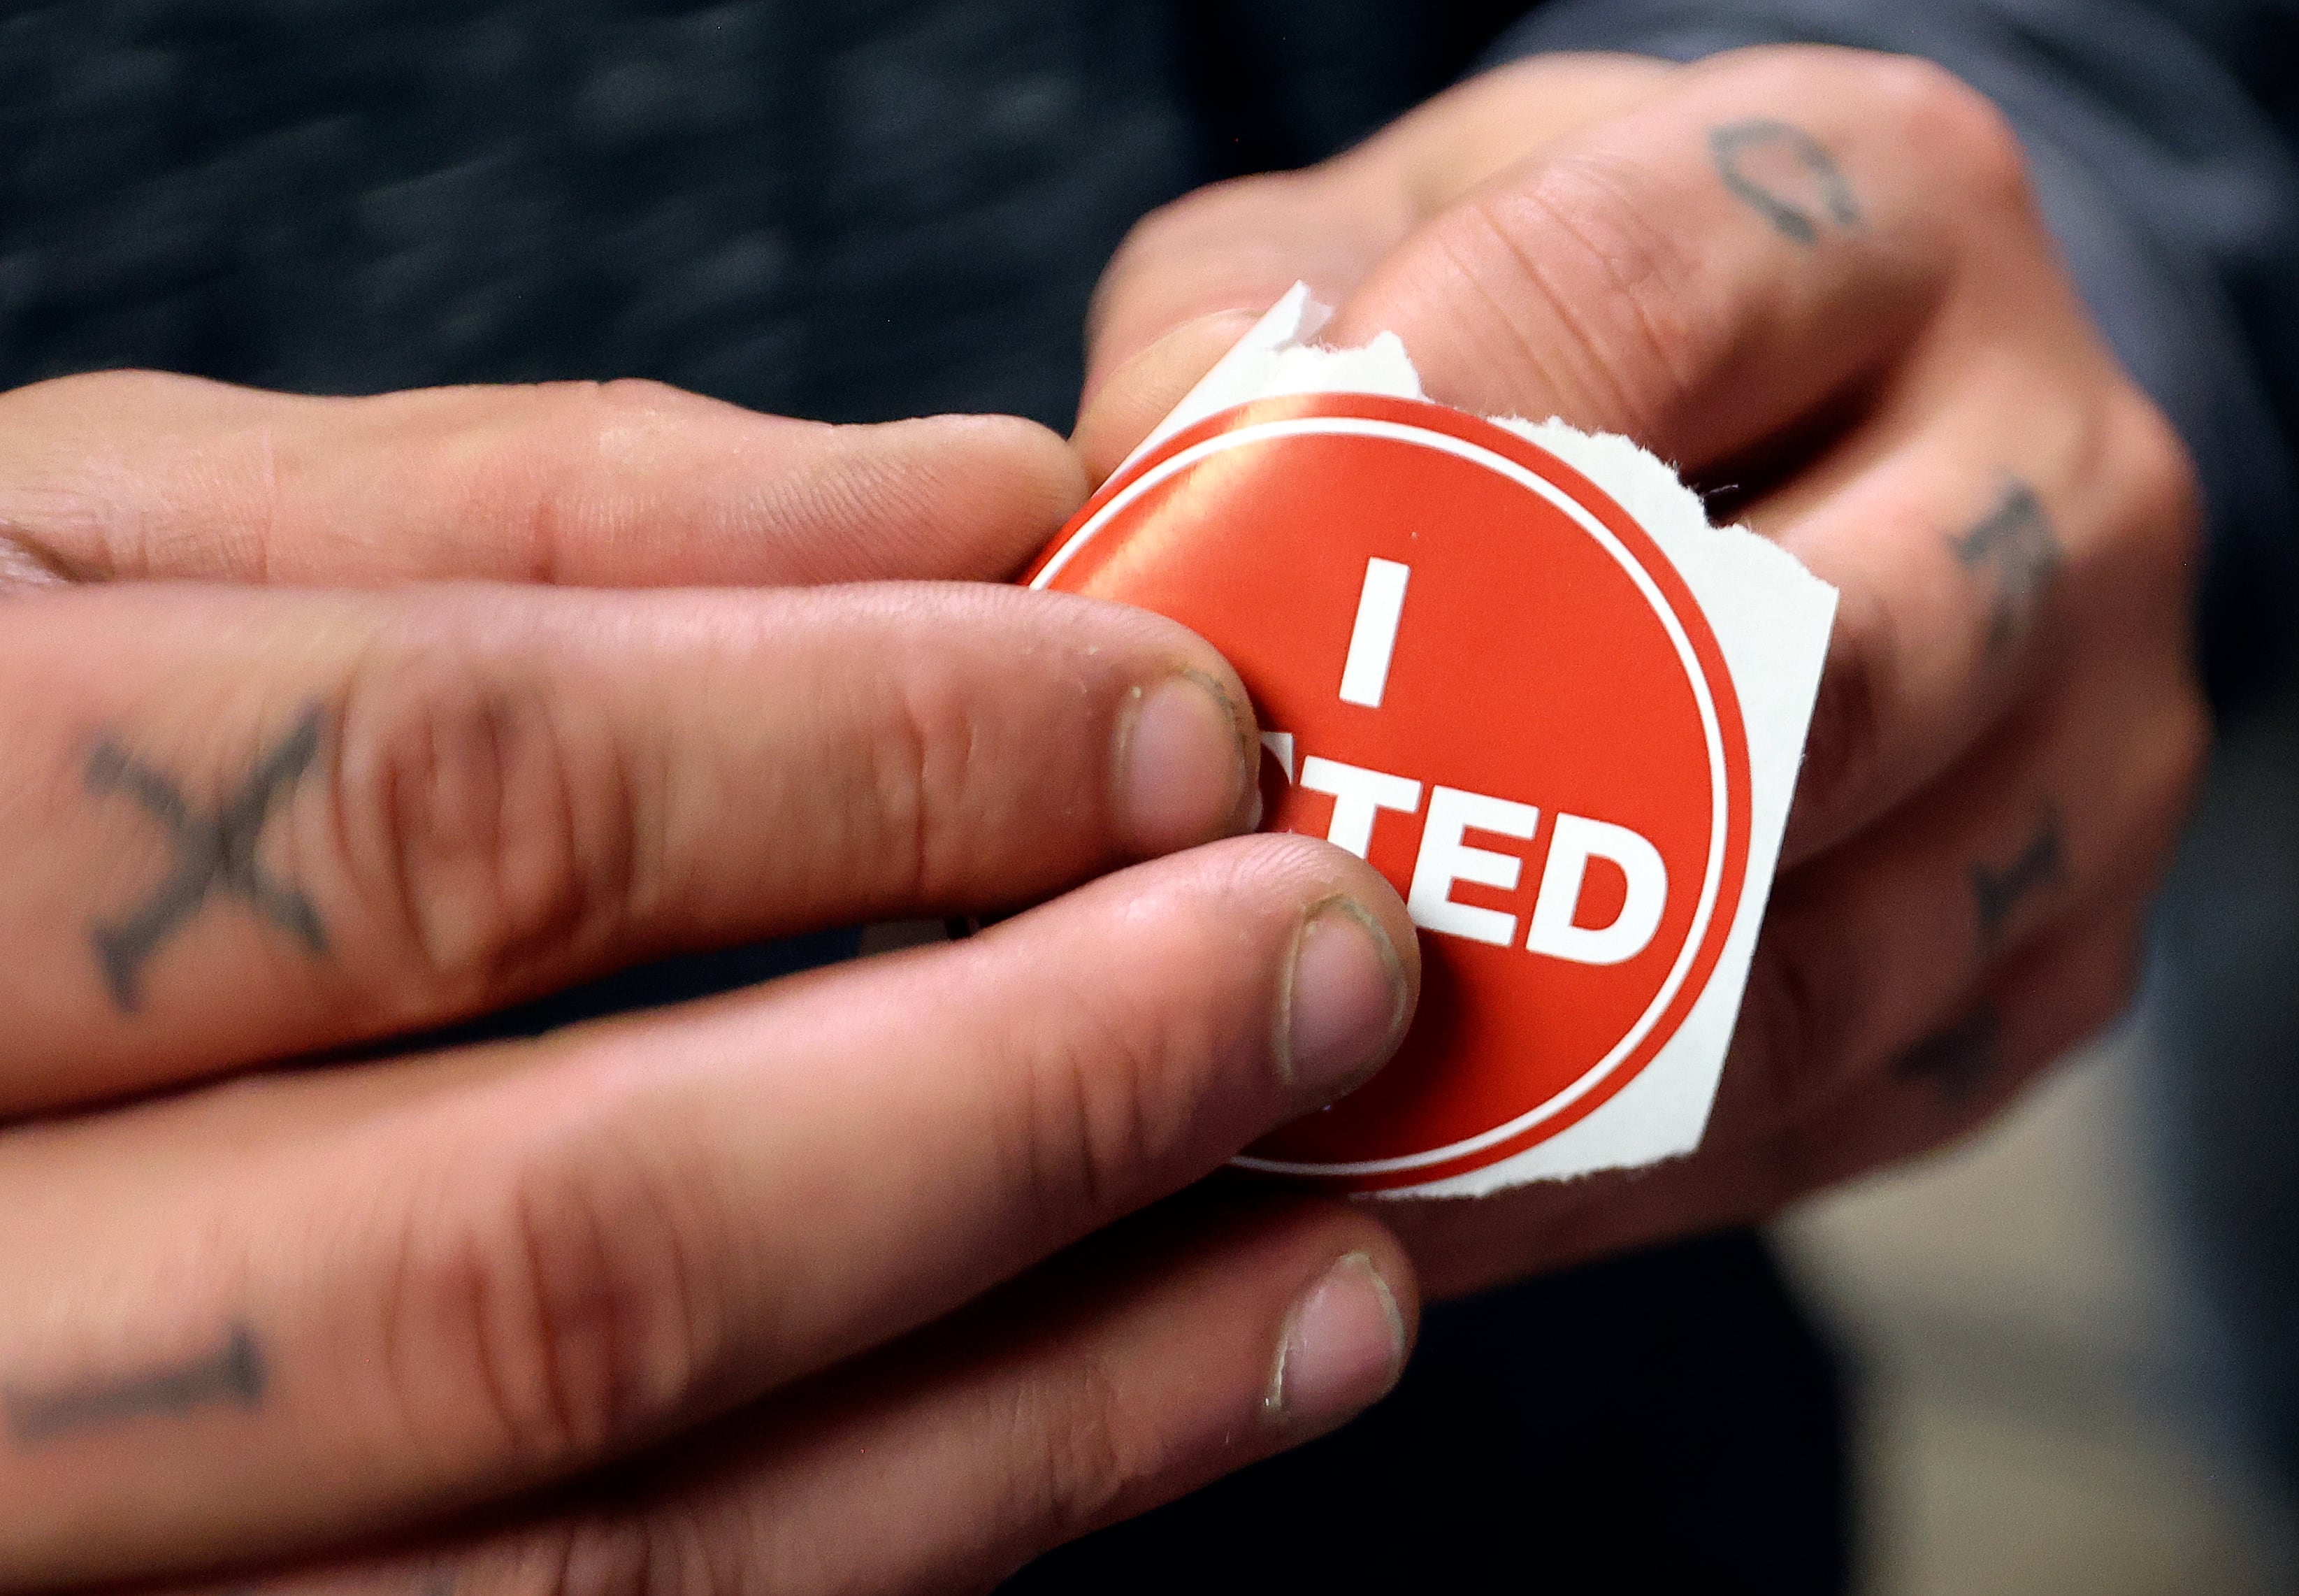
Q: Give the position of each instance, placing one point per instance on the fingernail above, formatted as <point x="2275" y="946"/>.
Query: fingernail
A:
<point x="1214" y="330"/>
<point x="1200" y="341"/>
<point x="1344" y="1348"/>
<point x="1345" y="1005"/>
<point x="1182" y="776"/>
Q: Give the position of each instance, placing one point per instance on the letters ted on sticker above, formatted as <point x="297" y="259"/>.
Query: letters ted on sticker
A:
<point x="1520" y="719"/>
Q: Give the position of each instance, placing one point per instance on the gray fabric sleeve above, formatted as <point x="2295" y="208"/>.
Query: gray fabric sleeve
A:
<point x="2172" y="191"/>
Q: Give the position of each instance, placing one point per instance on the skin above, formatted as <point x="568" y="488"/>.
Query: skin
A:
<point x="332" y="722"/>
<point x="341" y="720"/>
<point x="1852" y="329"/>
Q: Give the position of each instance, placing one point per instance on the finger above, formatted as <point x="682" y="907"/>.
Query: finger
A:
<point x="2067" y="987"/>
<point x="1113" y="1382"/>
<point x="134" y="474"/>
<point x="1191" y="277"/>
<point x="2002" y="474"/>
<point x="1120" y="408"/>
<point x="268" y="823"/>
<point x="1237" y="246"/>
<point x="318" y="1307"/>
<point x="1872" y="958"/>
<point x="1699" y="275"/>
<point x="1992" y="518"/>
<point x="2075" y="803"/>
<point x="1728" y="288"/>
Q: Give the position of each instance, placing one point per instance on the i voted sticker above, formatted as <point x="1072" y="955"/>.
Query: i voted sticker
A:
<point x="1478" y="670"/>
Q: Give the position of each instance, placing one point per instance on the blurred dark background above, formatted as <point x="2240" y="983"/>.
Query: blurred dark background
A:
<point x="853" y="210"/>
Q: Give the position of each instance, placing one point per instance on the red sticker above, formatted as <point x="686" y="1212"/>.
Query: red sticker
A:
<point x="1476" y="670"/>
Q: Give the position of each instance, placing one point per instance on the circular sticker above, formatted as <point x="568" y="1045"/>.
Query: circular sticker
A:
<point x="1475" y="670"/>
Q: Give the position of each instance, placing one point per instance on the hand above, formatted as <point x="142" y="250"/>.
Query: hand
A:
<point x="335" y="767"/>
<point x="1854" y="320"/>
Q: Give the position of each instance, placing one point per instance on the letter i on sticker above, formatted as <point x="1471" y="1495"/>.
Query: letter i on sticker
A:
<point x="1373" y="640"/>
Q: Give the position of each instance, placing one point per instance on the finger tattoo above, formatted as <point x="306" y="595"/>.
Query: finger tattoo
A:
<point x="1786" y="176"/>
<point x="2016" y="542"/>
<point x="1959" y="1061"/>
<point x="215" y="854"/>
<point x="236" y="1377"/>
<point x="1998" y="892"/>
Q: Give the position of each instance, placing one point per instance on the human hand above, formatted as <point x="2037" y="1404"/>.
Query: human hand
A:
<point x="1853" y="322"/>
<point x="302" y="754"/>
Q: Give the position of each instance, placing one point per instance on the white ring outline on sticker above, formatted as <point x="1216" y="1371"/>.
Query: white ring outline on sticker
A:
<point x="1444" y="443"/>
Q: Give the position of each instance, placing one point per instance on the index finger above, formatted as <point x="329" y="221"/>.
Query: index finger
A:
<point x="273" y="823"/>
<point x="125" y="475"/>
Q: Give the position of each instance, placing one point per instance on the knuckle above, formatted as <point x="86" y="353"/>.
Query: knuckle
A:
<point x="491" y="843"/>
<point x="2161" y="486"/>
<point x="90" y="397"/>
<point x="1805" y="1005"/>
<point x="1150" y="233"/>
<point x="1074" y="1430"/>
<point x="88" y="394"/>
<point x="1205" y="211"/>
<point x="1087" y="1132"/>
<point x="925" y="778"/>
<point x="72" y="507"/>
<point x="596" y="1552"/>
<point x="1939" y="113"/>
<point x="530" y="463"/>
<point x="585" y="422"/>
<point x="1185" y="253"/>
<point x="1100" y="1111"/>
<point x="2179" y="753"/>
<point x="1578" y="268"/>
<point x="1852" y="711"/>
<point x="566" y="1304"/>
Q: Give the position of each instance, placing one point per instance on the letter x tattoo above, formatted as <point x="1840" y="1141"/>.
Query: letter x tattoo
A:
<point x="215" y="854"/>
<point x="1791" y="160"/>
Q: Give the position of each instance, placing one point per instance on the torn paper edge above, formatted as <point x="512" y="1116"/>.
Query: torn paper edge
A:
<point x="1771" y="618"/>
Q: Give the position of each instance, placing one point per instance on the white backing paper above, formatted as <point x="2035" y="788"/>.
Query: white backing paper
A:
<point x="1771" y="618"/>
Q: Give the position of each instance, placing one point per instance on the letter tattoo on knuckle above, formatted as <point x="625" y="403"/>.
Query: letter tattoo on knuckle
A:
<point x="215" y="855"/>
<point x="1786" y="176"/>
<point x="235" y="1376"/>
<point x="1998" y="891"/>
<point x="2016" y="542"/>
